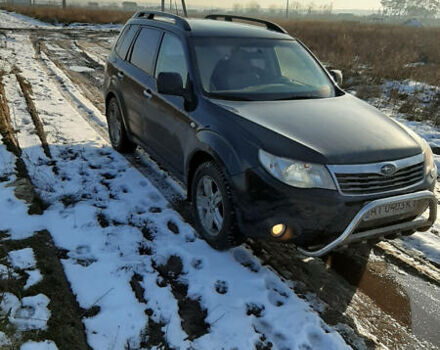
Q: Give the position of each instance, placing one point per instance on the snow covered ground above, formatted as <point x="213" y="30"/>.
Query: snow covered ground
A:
<point x="426" y="244"/>
<point x="16" y="20"/>
<point x="127" y="252"/>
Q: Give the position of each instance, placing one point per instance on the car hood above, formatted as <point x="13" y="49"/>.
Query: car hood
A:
<point x="343" y="130"/>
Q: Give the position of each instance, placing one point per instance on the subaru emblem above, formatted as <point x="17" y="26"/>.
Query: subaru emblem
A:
<point x="388" y="169"/>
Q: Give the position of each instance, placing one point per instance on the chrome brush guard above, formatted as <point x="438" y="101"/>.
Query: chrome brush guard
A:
<point x="350" y="236"/>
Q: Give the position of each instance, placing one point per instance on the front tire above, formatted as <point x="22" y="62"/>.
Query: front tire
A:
<point x="116" y="128"/>
<point x="213" y="207"/>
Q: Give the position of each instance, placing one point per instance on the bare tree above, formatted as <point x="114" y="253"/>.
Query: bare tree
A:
<point x="253" y="6"/>
<point x="425" y="8"/>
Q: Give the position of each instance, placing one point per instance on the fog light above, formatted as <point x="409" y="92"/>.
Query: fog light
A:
<point x="278" y="230"/>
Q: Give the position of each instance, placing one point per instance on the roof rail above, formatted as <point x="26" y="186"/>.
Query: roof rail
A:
<point x="151" y="15"/>
<point x="269" y="25"/>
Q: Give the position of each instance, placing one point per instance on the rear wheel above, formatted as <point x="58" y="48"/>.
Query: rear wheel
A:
<point x="213" y="207"/>
<point x="116" y="129"/>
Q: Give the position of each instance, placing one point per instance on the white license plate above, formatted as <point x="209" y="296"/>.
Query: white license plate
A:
<point x="392" y="209"/>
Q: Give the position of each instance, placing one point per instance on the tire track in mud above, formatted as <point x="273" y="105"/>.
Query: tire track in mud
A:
<point x="26" y="89"/>
<point x="351" y="311"/>
<point x="23" y="187"/>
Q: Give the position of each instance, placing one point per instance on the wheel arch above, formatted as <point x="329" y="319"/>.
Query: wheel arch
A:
<point x="113" y="94"/>
<point x="213" y="148"/>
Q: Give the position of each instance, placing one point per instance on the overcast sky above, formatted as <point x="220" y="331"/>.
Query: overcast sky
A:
<point x="337" y="4"/>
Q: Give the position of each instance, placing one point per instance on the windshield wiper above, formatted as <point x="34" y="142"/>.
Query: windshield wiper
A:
<point x="296" y="97"/>
<point x="231" y="97"/>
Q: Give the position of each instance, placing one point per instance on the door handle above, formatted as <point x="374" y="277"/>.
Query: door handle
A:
<point x="147" y="93"/>
<point x="120" y="75"/>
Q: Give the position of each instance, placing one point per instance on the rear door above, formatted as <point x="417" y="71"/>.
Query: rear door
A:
<point x="118" y="65"/>
<point x="139" y="82"/>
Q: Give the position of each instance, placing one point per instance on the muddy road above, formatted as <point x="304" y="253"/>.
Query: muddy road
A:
<point x="376" y="296"/>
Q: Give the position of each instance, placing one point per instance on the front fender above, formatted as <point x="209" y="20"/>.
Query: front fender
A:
<point x="221" y="150"/>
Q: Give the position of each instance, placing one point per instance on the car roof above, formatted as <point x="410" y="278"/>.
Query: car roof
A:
<point x="207" y="27"/>
<point x="219" y="28"/>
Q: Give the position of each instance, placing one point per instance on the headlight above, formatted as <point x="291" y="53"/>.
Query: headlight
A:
<point x="296" y="173"/>
<point x="430" y="167"/>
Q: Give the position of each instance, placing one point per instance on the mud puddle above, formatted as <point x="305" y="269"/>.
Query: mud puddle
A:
<point x="410" y="300"/>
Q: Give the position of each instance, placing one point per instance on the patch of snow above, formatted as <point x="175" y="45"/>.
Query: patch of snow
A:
<point x="7" y="162"/>
<point x="81" y="102"/>
<point x="44" y="345"/>
<point x="35" y="277"/>
<point x="426" y="242"/>
<point x="99" y="58"/>
<point x="22" y="259"/>
<point x="8" y="302"/>
<point x="80" y="69"/>
<point x="16" y="20"/>
<point x="97" y="27"/>
<point x="4" y="340"/>
<point x="414" y="65"/>
<point x="11" y="220"/>
<point x="422" y="91"/>
<point x="30" y="313"/>
<point x="6" y="272"/>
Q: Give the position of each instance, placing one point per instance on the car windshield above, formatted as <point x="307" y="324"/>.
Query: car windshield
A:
<point x="259" y="70"/>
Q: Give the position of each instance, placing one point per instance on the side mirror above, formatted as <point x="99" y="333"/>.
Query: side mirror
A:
<point x="170" y="83"/>
<point x="337" y="76"/>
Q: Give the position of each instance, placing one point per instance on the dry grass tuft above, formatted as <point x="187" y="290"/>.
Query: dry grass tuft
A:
<point x="70" y="15"/>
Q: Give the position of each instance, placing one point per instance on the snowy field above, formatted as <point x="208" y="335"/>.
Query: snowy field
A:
<point x="126" y="252"/>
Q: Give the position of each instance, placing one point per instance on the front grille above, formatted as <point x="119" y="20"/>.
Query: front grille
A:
<point x="372" y="183"/>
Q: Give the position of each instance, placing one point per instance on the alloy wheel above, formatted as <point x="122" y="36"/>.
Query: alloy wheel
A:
<point x="115" y="125"/>
<point x="209" y="201"/>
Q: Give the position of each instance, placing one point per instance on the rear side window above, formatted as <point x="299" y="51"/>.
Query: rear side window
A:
<point x="125" y="40"/>
<point x="144" y="49"/>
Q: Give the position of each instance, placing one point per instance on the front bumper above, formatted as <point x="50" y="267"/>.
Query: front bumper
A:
<point x="317" y="217"/>
<point x="350" y="235"/>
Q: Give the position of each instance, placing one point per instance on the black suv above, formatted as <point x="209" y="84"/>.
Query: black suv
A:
<point x="262" y="135"/>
